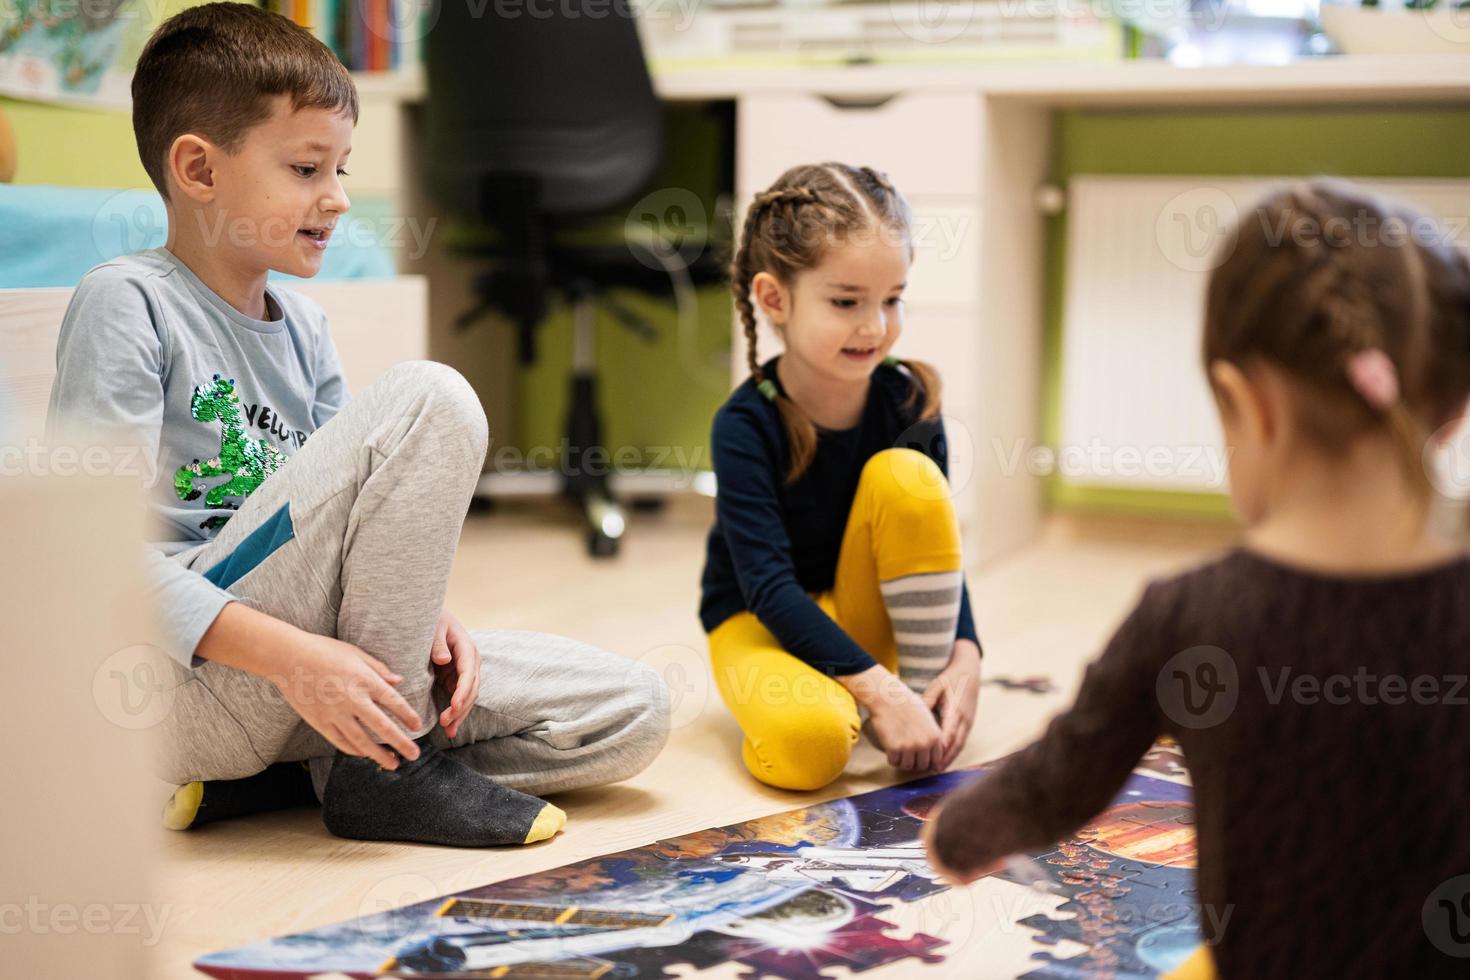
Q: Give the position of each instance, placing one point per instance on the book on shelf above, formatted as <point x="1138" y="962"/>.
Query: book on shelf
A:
<point x="366" y="35"/>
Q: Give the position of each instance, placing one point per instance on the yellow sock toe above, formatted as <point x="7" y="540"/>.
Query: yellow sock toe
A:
<point x="183" y="806"/>
<point x="547" y="823"/>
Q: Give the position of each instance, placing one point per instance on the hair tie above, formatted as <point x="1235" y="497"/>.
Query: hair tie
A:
<point x="892" y="361"/>
<point x="768" y="388"/>
<point x="1375" y="378"/>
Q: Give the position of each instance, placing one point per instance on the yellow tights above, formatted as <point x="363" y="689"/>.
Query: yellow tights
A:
<point x="801" y="725"/>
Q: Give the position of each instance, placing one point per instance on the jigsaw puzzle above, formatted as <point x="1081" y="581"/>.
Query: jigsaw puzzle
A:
<point x="799" y="895"/>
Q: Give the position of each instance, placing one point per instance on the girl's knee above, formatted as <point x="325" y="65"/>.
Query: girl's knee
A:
<point x="804" y="751"/>
<point x="904" y="478"/>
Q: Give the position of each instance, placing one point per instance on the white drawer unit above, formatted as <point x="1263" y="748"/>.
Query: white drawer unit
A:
<point x="927" y="142"/>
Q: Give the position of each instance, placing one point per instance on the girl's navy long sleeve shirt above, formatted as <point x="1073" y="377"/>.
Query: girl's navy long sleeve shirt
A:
<point x="774" y="545"/>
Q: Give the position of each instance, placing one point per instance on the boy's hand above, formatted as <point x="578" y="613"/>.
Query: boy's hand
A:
<point x="456" y="662"/>
<point x="904" y="725"/>
<point x="338" y="689"/>
<point x="954" y="694"/>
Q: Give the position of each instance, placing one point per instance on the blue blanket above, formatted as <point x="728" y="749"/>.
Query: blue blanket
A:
<point x="50" y="236"/>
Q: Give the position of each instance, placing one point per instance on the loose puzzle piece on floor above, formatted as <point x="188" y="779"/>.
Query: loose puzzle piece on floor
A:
<point x="801" y="895"/>
<point x="1035" y="684"/>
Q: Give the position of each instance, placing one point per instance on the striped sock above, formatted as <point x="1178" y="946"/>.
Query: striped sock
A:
<point x="925" y="612"/>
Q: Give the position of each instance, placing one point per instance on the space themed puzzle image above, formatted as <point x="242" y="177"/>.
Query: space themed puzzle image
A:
<point x="818" y="892"/>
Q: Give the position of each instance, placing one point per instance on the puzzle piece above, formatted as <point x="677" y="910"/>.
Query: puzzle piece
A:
<point x="1036" y="684"/>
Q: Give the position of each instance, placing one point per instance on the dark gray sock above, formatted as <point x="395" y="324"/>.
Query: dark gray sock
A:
<point x="430" y="800"/>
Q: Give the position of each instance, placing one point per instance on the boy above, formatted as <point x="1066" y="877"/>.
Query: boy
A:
<point x="309" y="538"/>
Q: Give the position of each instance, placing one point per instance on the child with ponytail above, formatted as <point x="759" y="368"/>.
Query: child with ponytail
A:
<point x="1314" y="675"/>
<point x="833" y="581"/>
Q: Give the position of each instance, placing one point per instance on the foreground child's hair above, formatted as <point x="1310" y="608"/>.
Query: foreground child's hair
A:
<point x="210" y="70"/>
<point x="1363" y="303"/>
<point x="787" y="230"/>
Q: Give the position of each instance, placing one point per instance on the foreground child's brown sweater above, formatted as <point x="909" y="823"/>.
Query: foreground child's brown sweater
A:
<point x="1324" y="720"/>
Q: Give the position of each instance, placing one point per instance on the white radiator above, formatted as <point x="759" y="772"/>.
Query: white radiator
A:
<point x="1135" y="409"/>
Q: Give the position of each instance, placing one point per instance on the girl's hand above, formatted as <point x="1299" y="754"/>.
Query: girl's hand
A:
<point x="342" y="691"/>
<point x="955" y="693"/>
<point x="903" y="723"/>
<point x="456" y="662"/>
<point x="952" y="875"/>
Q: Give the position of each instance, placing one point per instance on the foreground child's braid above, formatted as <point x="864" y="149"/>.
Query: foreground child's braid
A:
<point x="786" y="231"/>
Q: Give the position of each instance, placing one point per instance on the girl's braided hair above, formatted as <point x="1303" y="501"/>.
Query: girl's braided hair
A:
<point x="787" y="231"/>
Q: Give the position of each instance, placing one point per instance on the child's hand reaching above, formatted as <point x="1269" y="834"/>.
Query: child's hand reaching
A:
<point x="954" y="876"/>
<point x="954" y="694"/>
<point x="456" y="662"/>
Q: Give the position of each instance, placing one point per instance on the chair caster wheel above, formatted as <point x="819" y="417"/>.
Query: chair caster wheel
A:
<point x="600" y="545"/>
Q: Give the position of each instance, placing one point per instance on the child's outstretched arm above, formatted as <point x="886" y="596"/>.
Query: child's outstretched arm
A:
<point x="1054" y="786"/>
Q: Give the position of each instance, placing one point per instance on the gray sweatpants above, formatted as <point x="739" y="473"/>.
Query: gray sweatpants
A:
<point x="358" y="533"/>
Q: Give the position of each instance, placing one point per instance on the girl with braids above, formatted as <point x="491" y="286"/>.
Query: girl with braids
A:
<point x="1314" y="675"/>
<point x="832" y="584"/>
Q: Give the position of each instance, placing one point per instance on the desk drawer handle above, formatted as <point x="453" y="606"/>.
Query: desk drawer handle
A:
<point x="859" y="101"/>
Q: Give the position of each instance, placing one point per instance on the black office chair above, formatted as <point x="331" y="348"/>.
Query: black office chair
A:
<point x="536" y="125"/>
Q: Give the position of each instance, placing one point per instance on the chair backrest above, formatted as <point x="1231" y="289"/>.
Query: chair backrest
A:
<point x="543" y="91"/>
